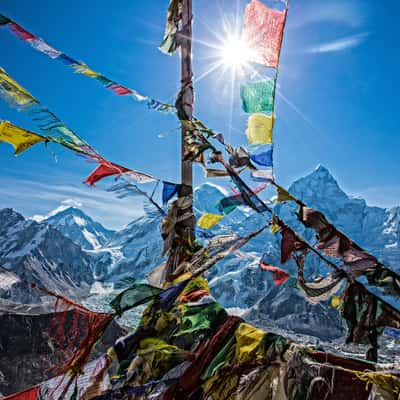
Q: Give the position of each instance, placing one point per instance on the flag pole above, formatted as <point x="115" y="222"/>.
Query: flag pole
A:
<point x="185" y="227"/>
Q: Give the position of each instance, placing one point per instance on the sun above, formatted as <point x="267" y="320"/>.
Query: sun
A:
<point x="234" y="53"/>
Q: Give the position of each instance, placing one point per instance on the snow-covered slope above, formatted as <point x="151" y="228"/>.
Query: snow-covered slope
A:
<point x="79" y="227"/>
<point x="37" y="253"/>
<point x="237" y="281"/>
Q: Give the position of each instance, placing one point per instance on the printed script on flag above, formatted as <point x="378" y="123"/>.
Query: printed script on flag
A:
<point x="263" y="32"/>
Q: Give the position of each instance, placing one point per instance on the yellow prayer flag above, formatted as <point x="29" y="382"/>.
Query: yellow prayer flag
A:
<point x="283" y="195"/>
<point x="207" y="221"/>
<point x="19" y="138"/>
<point x="335" y="301"/>
<point x="259" y="128"/>
<point x="249" y="341"/>
<point x="12" y="91"/>
<point x="85" y="70"/>
<point x="274" y="225"/>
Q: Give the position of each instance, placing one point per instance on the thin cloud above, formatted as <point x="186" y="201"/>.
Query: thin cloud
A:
<point x="351" y="14"/>
<point x="37" y="199"/>
<point x="340" y="44"/>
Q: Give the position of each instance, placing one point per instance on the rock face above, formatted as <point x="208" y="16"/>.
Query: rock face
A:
<point x="38" y="253"/>
<point x="27" y="354"/>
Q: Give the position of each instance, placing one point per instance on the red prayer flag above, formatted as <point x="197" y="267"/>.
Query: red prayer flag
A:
<point x="119" y="90"/>
<point x="263" y="32"/>
<point x="21" y="32"/>
<point x="103" y="170"/>
<point x="29" y="394"/>
<point x="279" y="275"/>
<point x="289" y="243"/>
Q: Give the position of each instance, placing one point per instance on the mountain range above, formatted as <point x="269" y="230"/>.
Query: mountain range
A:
<point x="67" y="252"/>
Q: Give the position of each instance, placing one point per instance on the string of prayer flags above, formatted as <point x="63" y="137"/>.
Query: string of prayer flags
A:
<point x="248" y="196"/>
<point x="259" y="129"/>
<point x="207" y="221"/>
<point x="366" y="315"/>
<point x="17" y="96"/>
<point x="80" y="67"/>
<point x="170" y="42"/>
<point x="169" y="191"/>
<point x="263" y="33"/>
<point x="103" y="170"/>
<point x="19" y="138"/>
<point x="258" y="96"/>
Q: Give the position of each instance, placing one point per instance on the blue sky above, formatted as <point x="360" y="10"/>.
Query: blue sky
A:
<point x="336" y="104"/>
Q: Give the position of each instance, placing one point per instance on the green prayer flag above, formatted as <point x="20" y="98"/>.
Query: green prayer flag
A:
<point x="4" y="20"/>
<point x="138" y="293"/>
<point x="258" y="96"/>
<point x="200" y="317"/>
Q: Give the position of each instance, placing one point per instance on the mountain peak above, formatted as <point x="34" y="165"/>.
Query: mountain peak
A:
<point x="78" y="226"/>
<point x="317" y="187"/>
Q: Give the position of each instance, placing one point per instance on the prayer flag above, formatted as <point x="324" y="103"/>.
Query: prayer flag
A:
<point x="67" y="60"/>
<point x="103" y="170"/>
<point x="14" y="93"/>
<point x="174" y="16"/>
<point x="169" y="191"/>
<point x="289" y="243"/>
<point x="140" y="177"/>
<point x="138" y="293"/>
<point x="207" y="221"/>
<point x="263" y="32"/>
<point x="4" y="20"/>
<point x="279" y="275"/>
<point x="43" y="47"/>
<point x="29" y="394"/>
<point x="85" y="70"/>
<point x="283" y="195"/>
<point x="259" y="129"/>
<point x="258" y="96"/>
<point x="119" y="89"/>
<point x="262" y="154"/>
<point x="19" y="138"/>
<point x="263" y="175"/>
<point x="21" y="32"/>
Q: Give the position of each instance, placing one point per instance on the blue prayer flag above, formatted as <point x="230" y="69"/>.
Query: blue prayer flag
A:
<point x="169" y="191"/>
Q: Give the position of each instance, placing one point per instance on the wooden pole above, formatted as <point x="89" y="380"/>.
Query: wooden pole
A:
<point x="186" y="84"/>
<point x="184" y="229"/>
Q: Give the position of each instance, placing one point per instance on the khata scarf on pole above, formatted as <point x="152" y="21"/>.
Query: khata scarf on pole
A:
<point x="170" y="42"/>
<point x="80" y="67"/>
<point x="263" y="32"/>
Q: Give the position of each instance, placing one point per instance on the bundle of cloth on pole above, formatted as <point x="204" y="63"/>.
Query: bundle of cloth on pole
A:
<point x="188" y="347"/>
<point x="80" y="67"/>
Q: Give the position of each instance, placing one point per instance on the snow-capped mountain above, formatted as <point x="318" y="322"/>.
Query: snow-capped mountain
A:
<point x="33" y="253"/>
<point x="79" y="227"/>
<point x="237" y="281"/>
